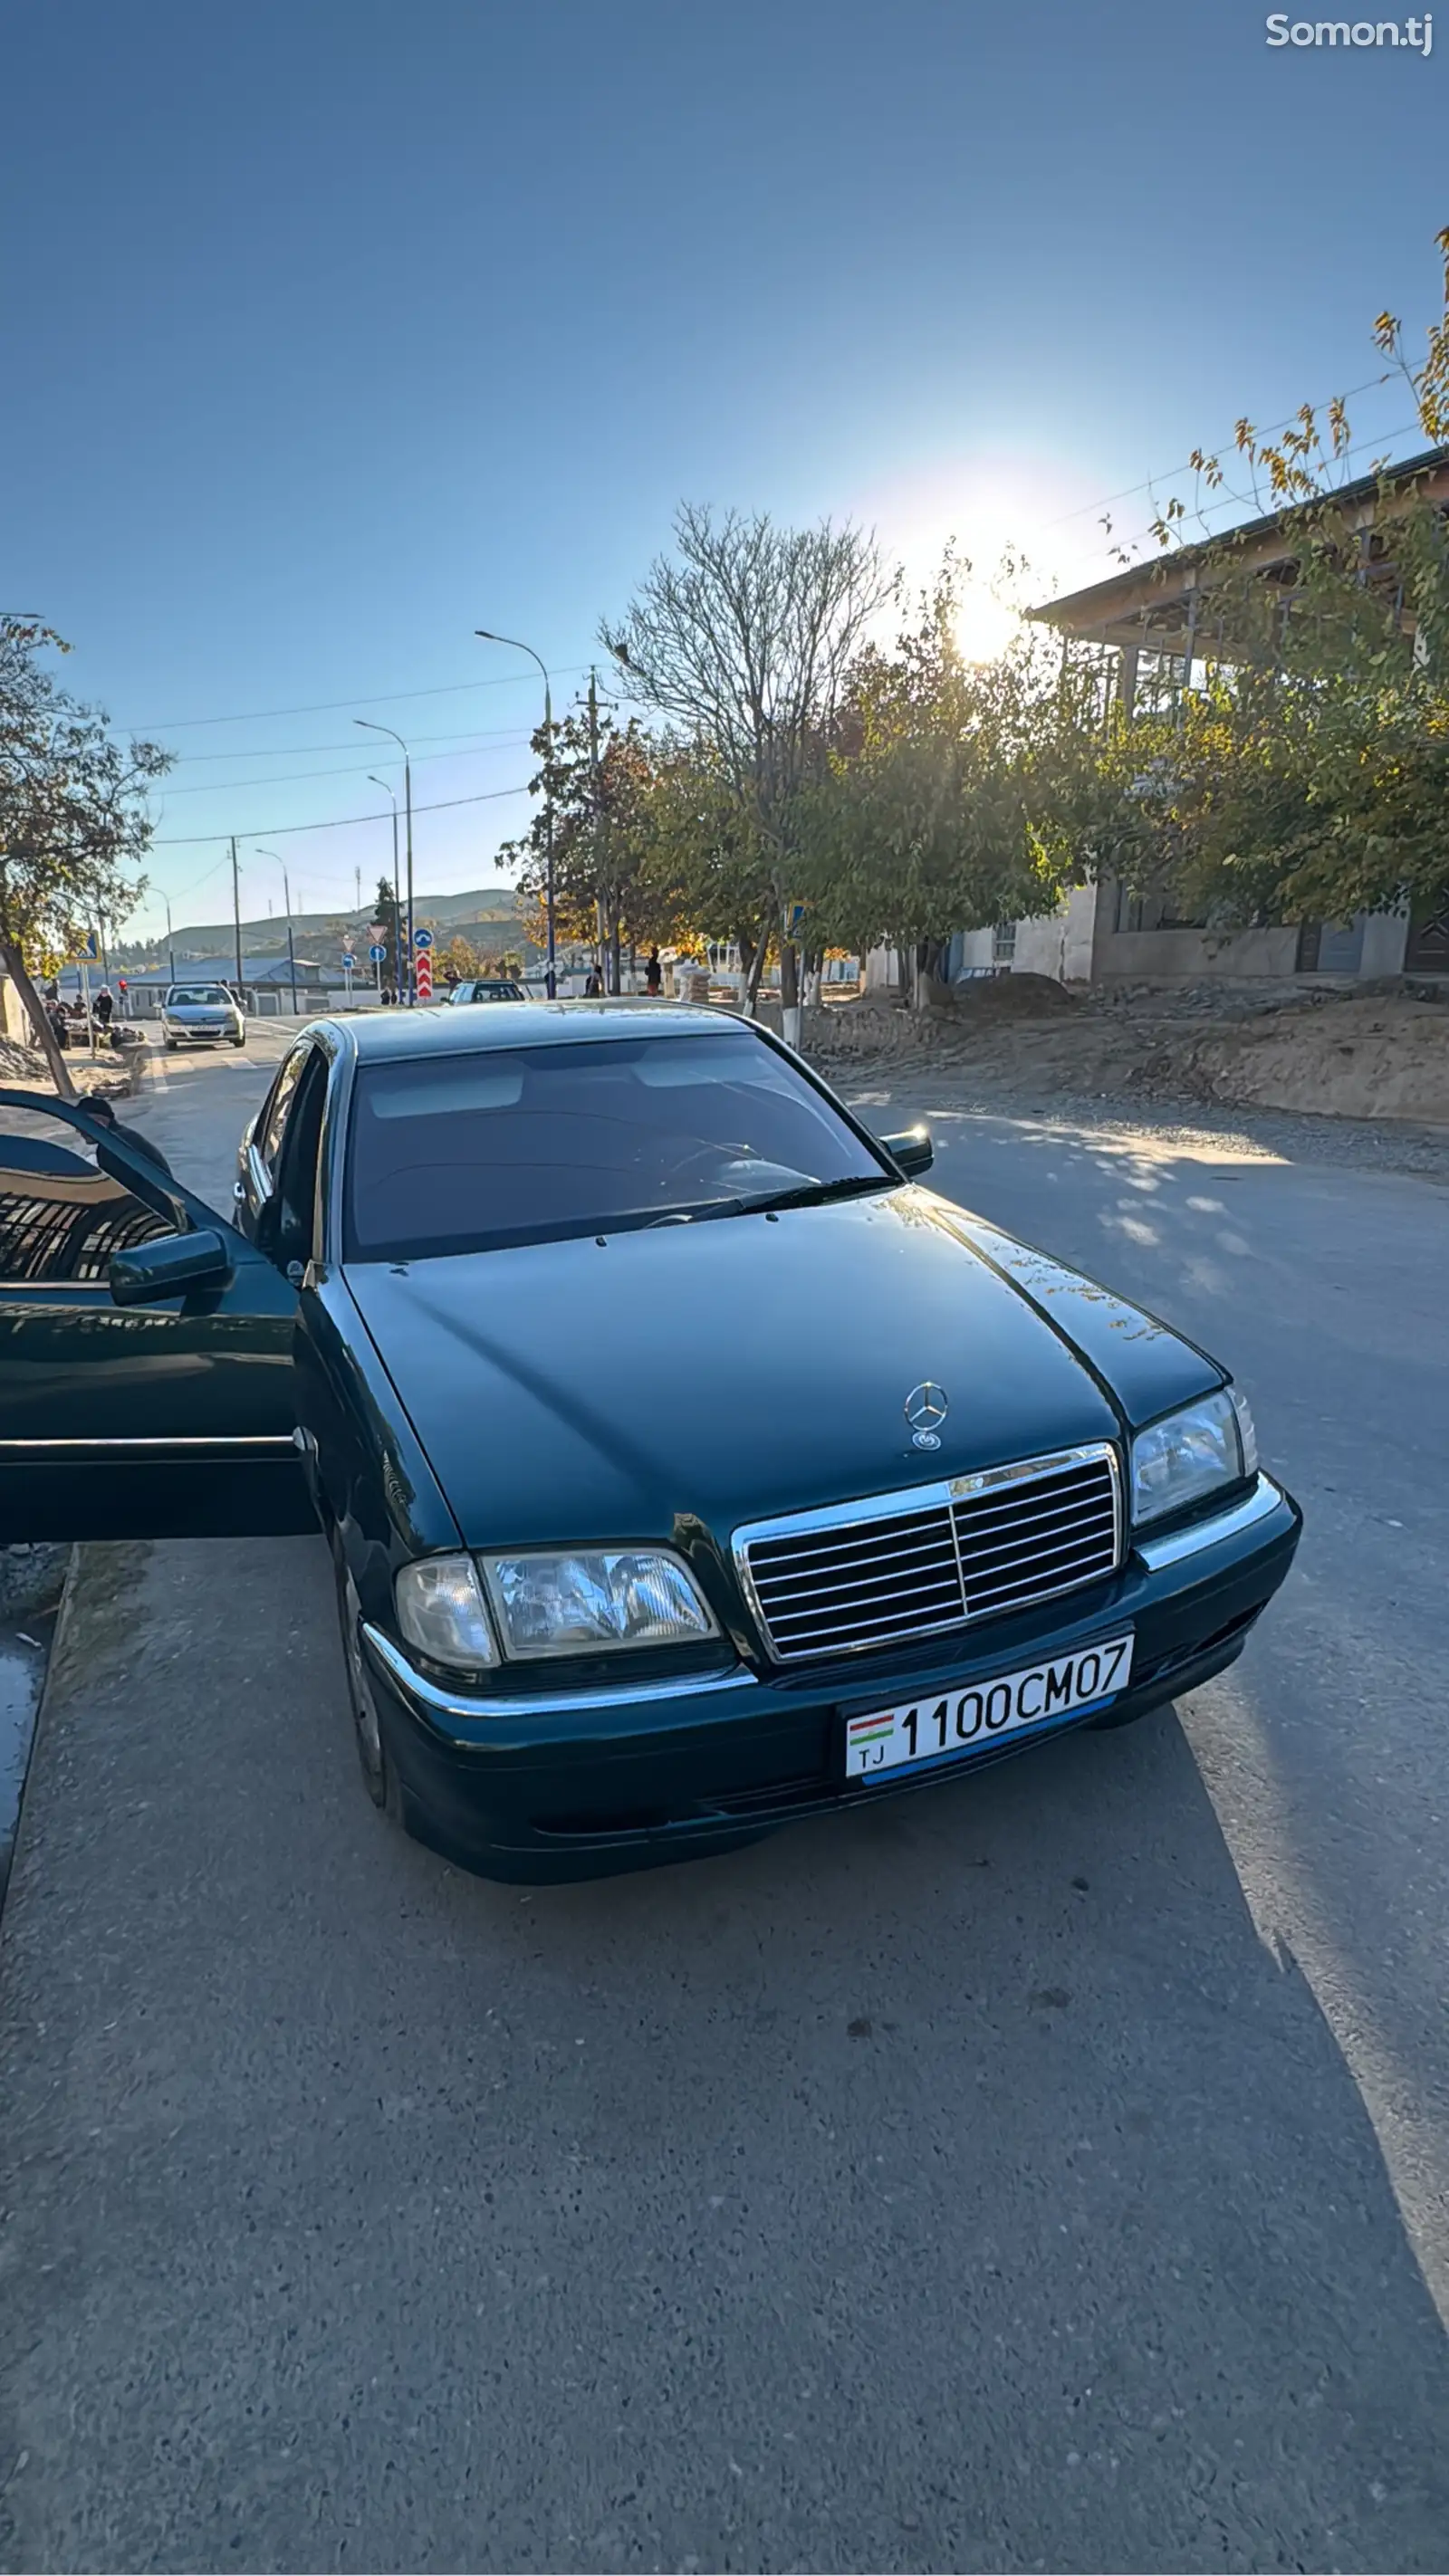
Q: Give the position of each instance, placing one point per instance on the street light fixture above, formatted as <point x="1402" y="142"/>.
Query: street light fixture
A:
<point x="488" y="637"/>
<point x="287" y="898"/>
<point x="369" y="727"/>
<point x="374" y="781"/>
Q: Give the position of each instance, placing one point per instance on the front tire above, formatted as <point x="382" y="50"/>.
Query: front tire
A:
<point x="378" y="1776"/>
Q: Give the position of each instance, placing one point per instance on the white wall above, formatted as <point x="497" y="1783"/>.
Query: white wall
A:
<point x="1385" y="937"/>
<point x="1062" y="944"/>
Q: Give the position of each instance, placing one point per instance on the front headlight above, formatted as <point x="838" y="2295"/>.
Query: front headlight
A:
<point x="1180" y="1460"/>
<point x="582" y="1603"/>
<point x="441" y="1611"/>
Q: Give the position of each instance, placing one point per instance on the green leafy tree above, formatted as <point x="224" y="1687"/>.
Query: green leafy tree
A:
<point x="933" y="815"/>
<point x="459" y="960"/>
<point x="385" y="913"/>
<point x="618" y="877"/>
<point x="74" y="821"/>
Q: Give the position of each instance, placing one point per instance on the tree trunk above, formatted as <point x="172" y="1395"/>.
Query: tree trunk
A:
<point x="789" y="975"/>
<point x="928" y="962"/>
<point x="15" y="968"/>
<point x="753" y="956"/>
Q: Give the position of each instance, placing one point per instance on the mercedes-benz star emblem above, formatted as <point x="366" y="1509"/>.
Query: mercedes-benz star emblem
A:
<point x="926" y="1410"/>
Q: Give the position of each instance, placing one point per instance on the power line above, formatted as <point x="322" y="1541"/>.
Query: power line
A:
<point x="338" y="823"/>
<point x="1368" y="386"/>
<point x="330" y="706"/>
<point x="295" y="750"/>
<point x="340" y="769"/>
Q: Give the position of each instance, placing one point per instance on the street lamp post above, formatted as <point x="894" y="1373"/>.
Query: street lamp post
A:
<point x="287" y="897"/>
<point x="488" y="637"/>
<point x="396" y="887"/>
<point x="367" y="723"/>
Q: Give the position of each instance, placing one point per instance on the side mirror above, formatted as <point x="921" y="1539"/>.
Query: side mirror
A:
<point x="912" y="1152"/>
<point x="173" y="1265"/>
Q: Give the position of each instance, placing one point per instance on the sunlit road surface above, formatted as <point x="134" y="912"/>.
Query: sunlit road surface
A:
<point x="1046" y="2171"/>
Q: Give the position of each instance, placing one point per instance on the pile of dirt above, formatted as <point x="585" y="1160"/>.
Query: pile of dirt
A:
<point x="1003" y="997"/>
<point x="24" y="1068"/>
<point x="1377" y="1052"/>
<point x="1371" y="1055"/>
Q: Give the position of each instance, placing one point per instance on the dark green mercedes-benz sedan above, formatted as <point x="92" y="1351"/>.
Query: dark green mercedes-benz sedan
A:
<point x="687" y="1467"/>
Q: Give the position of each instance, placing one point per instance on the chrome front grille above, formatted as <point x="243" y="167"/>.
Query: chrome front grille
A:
<point x="898" y="1566"/>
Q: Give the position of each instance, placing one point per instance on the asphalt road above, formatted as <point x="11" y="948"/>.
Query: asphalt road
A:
<point x="1045" y="2172"/>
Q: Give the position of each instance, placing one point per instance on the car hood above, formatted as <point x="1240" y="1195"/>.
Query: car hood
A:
<point x="722" y="1372"/>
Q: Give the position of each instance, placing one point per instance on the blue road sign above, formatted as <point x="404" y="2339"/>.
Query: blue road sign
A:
<point x="422" y="939"/>
<point x="92" y="948"/>
<point x="348" y="960"/>
<point x="377" y="952"/>
<point x="797" y="915"/>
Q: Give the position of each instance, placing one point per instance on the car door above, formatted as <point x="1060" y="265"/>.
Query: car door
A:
<point x="261" y="1149"/>
<point x="135" y="1400"/>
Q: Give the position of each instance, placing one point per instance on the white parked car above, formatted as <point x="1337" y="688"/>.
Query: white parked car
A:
<point x="202" y="1015"/>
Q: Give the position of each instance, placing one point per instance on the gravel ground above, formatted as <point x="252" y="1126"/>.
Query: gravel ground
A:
<point x="1009" y="1090"/>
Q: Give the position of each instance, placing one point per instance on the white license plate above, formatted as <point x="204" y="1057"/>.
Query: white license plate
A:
<point x="946" y="1726"/>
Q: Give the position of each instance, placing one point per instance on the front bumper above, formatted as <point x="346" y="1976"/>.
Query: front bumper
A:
<point x="583" y="1783"/>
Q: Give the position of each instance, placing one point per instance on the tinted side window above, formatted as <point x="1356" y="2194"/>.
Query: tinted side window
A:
<point x="274" y="1122"/>
<point x="61" y="1217"/>
<point x="297" y="1172"/>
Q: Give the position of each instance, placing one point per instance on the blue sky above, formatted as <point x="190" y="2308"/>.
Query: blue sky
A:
<point x="336" y="328"/>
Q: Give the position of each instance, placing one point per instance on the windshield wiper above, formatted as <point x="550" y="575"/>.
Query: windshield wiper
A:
<point x="816" y="1193"/>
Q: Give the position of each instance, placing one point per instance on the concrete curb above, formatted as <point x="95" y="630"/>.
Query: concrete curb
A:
<point x="12" y="1824"/>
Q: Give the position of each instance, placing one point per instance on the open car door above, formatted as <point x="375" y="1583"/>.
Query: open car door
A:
<point x="146" y="1373"/>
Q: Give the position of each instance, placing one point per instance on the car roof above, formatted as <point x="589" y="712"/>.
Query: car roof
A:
<point x="436" y="1029"/>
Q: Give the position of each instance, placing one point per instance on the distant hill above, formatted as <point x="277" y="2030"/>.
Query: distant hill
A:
<point x="493" y="909"/>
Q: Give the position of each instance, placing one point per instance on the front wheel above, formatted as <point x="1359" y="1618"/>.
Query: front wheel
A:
<point x="378" y="1776"/>
<point x="238" y="1042"/>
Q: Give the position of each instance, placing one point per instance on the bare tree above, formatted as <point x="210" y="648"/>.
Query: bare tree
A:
<point x="742" y="639"/>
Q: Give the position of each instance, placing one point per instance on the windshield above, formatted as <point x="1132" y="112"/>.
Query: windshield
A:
<point x="460" y="1153"/>
<point x="201" y="993"/>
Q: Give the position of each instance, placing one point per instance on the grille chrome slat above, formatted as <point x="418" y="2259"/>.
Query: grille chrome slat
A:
<point x="928" y="1527"/>
<point x="984" y="1522"/>
<point x="883" y="1571"/>
<point x="896" y="1570"/>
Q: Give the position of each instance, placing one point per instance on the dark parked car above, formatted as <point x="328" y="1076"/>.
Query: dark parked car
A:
<point x="686" y="1467"/>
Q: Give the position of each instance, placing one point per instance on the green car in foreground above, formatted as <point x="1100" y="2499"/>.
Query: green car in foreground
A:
<point x="687" y="1467"/>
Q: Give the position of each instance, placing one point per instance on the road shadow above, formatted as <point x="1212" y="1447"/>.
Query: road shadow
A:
<point x="960" y="2184"/>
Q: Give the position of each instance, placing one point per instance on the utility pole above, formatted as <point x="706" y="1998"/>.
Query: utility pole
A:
<point x="170" y="949"/>
<point x="601" y="928"/>
<point x="370" y="726"/>
<point x="236" y="919"/>
<point x="287" y="899"/>
<point x="489" y="637"/>
<point x="396" y="886"/>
